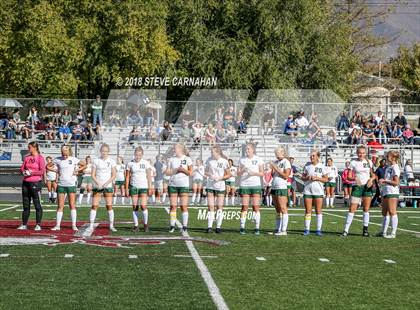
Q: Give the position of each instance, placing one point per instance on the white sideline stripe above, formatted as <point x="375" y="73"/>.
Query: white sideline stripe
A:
<point x="202" y="256"/>
<point x="9" y="208"/>
<point x="324" y="260"/>
<point x="333" y="222"/>
<point x="360" y="215"/>
<point x="68" y="255"/>
<point x="414" y="224"/>
<point x="43" y="210"/>
<point x="260" y="258"/>
<point x="214" y="291"/>
<point x="413" y="217"/>
<point x="390" y="261"/>
<point x="343" y="217"/>
<point x="84" y="231"/>
<point x="5" y="255"/>
<point x="132" y="256"/>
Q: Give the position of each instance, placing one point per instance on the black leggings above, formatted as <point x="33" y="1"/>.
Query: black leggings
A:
<point x="31" y="190"/>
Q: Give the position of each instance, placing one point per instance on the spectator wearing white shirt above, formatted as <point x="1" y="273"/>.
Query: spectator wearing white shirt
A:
<point x="301" y="121"/>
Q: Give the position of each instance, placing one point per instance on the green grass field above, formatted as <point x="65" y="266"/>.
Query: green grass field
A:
<point x="165" y="276"/>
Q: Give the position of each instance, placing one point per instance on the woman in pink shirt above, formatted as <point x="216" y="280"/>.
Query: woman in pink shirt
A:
<point x="33" y="169"/>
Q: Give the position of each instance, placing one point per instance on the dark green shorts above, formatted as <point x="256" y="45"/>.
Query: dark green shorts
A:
<point x="215" y="191"/>
<point x="330" y="184"/>
<point x="250" y="191"/>
<point x="359" y="191"/>
<point x="87" y="180"/>
<point x="66" y="189"/>
<point x="198" y="181"/>
<point x="312" y="196"/>
<point x="137" y="191"/>
<point x="119" y="183"/>
<point x="279" y="192"/>
<point x="230" y="183"/>
<point x="178" y="190"/>
<point x="392" y="196"/>
<point x="103" y="190"/>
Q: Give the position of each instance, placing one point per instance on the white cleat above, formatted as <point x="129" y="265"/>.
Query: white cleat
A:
<point x="90" y="228"/>
<point x="56" y="228"/>
<point x="22" y="227"/>
<point x="37" y="228"/>
<point x="391" y="236"/>
<point x="74" y="227"/>
<point x="112" y="228"/>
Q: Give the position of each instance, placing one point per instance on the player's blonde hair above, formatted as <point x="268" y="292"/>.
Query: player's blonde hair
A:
<point x="280" y="150"/>
<point x="69" y="148"/>
<point x="395" y="155"/>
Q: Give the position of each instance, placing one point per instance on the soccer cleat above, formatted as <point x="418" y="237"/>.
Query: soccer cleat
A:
<point x="209" y="230"/>
<point x="332" y="206"/>
<point x="277" y="233"/>
<point x="37" y="228"/>
<point x="146" y="228"/>
<point x="218" y="230"/>
<point x="74" y="227"/>
<point x="365" y="232"/>
<point x="56" y="228"/>
<point x="283" y="233"/>
<point x="136" y="229"/>
<point x="22" y="227"/>
<point x="184" y="229"/>
<point x="171" y="229"/>
<point x="380" y="234"/>
<point x="344" y="234"/>
<point x="112" y="228"/>
<point x="306" y="232"/>
<point x="90" y="228"/>
<point x="242" y="231"/>
<point x="256" y="232"/>
<point x="318" y="233"/>
<point x="391" y="236"/>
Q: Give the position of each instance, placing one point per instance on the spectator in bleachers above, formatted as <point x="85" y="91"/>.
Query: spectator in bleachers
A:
<point x="50" y="132"/>
<point x="268" y="121"/>
<point x="149" y="117"/>
<point x="220" y="134"/>
<point x="114" y="119"/>
<point x="135" y="134"/>
<point x="379" y="117"/>
<point x="89" y="133"/>
<point x="185" y="132"/>
<point x="343" y="122"/>
<point x="26" y="131"/>
<point x="400" y="120"/>
<point x="396" y="134"/>
<point x="210" y="134"/>
<point x="231" y="134"/>
<point x="408" y="135"/>
<point x="240" y="123"/>
<point x="98" y="132"/>
<point x="368" y="133"/>
<point x="166" y="132"/>
<point x="77" y="132"/>
<point x="314" y="130"/>
<point x="97" y="111"/>
<point x="357" y="118"/>
<point x="186" y="117"/>
<point x="4" y="119"/>
<point x="218" y="116"/>
<point x="301" y="121"/>
<point x="197" y="132"/>
<point x="382" y="131"/>
<point x="229" y="117"/>
<point x="66" y="118"/>
<point x="56" y="117"/>
<point x="16" y="116"/>
<point x="10" y="129"/>
<point x="134" y="118"/>
<point x="290" y="127"/>
<point x="64" y="132"/>
<point x="33" y="116"/>
<point x="408" y="171"/>
<point x="80" y="117"/>
<point x="356" y="136"/>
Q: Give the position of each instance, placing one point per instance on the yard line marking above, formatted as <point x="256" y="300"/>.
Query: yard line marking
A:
<point x="132" y="256"/>
<point x="68" y="255"/>
<point x="43" y="210"/>
<point x="5" y="255"/>
<point x="9" y="208"/>
<point x="390" y="261"/>
<point x="343" y="217"/>
<point x="413" y="217"/>
<point x="333" y="222"/>
<point x="214" y="291"/>
<point x="324" y="260"/>
<point x="84" y="231"/>
<point x="202" y="256"/>
<point x="294" y="222"/>
<point x="260" y="258"/>
<point x="414" y="224"/>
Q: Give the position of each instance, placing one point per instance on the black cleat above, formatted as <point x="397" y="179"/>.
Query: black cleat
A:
<point x="171" y="229"/>
<point x="146" y="228"/>
<point x="365" y="232"/>
<point x="242" y="231"/>
<point x="209" y="230"/>
<point x="136" y="229"/>
<point x="344" y="234"/>
<point x="184" y="229"/>
<point x="218" y="230"/>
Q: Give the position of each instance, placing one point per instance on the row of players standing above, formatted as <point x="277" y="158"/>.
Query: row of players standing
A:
<point x="138" y="186"/>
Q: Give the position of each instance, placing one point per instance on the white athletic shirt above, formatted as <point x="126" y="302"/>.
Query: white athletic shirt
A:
<point x="51" y="175"/>
<point x="179" y="179"/>
<point x="216" y="167"/>
<point x="66" y="170"/>
<point x="120" y="172"/>
<point x="251" y="165"/>
<point x="233" y="173"/>
<point x="278" y="181"/>
<point x="314" y="187"/>
<point x="87" y="172"/>
<point x="332" y="173"/>
<point x="165" y="176"/>
<point x="103" y="170"/>
<point x="138" y="170"/>
<point x="361" y="168"/>
<point x="198" y="173"/>
<point x="390" y="172"/>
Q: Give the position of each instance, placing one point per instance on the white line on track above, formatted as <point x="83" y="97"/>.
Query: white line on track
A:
<point x="401" y="229"/>
<point x="215" y="294"/>
<point x="9" y="208"/>
<point x="5" y="255"/>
